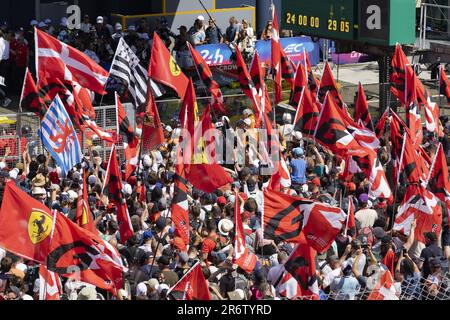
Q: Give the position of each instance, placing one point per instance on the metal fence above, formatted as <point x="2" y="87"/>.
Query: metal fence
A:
<point x="432" y="288"/>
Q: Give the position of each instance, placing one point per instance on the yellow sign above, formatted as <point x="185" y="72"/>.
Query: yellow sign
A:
<point x="39" y="226"/>
<point x="174" y="68"/>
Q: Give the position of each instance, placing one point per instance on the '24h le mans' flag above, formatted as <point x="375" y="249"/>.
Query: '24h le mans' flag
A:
<point x="59" y="137"/>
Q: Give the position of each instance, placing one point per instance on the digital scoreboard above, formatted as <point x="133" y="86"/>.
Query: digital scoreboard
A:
<point x="322" y="18"/>
<point x="374" y="22"/>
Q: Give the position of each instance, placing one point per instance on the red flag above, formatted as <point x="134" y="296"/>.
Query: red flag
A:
<point x="282" y="217"/>
<point x="399" y="63"/>
<point x="276" y="56"/>
<point x="379" y="186"/>
<point x="180" y="206"/>
<point x="164" y="69"/>
<point x="257" y="75"/>
<point x="130" y="139"/>
<point x="152" y="132"/>
<point x="57" y="60"/>
<point x="381" y="126"/>
<point x="302" y="266"/>
<point x="83" y="215"/>
<point x="432" y="118"/>
<point x="422" y="205"/>
<point x="30" y="98"/>
<point x="287" y="68"/>
<point x="313" y="83"/>
<point x="362" y="109"/>
<point x="350" y="215"/>
<point x="444" y="83"/>
<point x="384" y="289"/>
<point x="248" y="87"/>
<point x="328" y="84"/>
<point x="300" y="82"/>
<point x="207" y="77"/>
<point x="113" y="185"/>
<point x="29" y="229"/>
<point x="189" y="110"/>
<point x="192" y="286"/>
<point x="203" y="172"/>
<point x="86" y="97"/>
<point x="438" y="180"/>
<point x="242" y="255"/>
<point x="409" y="162"/>
<point x="307" y="114"/>
<point x="281" y="178"/>
<point x="331" y="130"/>
<point x="50" y="287"/>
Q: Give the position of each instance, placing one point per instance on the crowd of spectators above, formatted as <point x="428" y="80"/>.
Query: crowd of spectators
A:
<point x="99" y="39"/>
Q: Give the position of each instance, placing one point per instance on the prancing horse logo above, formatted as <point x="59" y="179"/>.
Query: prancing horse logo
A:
<point x="39" y="226"/>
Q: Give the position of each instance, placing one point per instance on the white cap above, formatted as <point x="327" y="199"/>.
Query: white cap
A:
<point x="42" y="24"/>
<point x="118" y="26"/>
<point x="141" y="289"/>
<point x="48" y="21"/>
<point x="202" y="18"/>
<point x="72" y="195"/>
<point x="127" y="189"/>
<point x="132" y="28"/>
<point x="298" y="135"/>
<point x="99" y="19"/>
<point x="248" y="122"/>
<point x="14" y="173"/>
<point x="38" y="190"/>
<point x="34" y="23"/>
<point x="162" y="287"/>
<point x="147" y="161"/>
<point x="247" y="112"/>
<point x="168" y="128"/>
<point x="27" y="297"/>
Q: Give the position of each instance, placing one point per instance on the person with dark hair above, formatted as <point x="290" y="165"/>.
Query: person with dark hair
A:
<point x="431" y="251"/>
<point x="407" y="272"/>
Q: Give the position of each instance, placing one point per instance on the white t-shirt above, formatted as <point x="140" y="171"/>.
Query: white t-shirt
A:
<point x="366" y="217"/>
<point x="4" y="49"/>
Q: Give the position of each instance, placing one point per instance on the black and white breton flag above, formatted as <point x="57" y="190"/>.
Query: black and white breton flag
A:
<point x="126" y="68"/>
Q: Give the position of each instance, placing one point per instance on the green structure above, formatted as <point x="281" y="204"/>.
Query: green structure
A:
<point x="372" y="22"/>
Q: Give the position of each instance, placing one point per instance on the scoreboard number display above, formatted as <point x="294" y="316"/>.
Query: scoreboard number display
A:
<point x="327" y="19"/>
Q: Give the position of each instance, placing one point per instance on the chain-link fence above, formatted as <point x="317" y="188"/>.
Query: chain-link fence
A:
<point x="435" y="287"/>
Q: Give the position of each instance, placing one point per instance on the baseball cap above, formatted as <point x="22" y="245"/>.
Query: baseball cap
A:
<point x="147" y="235"/>
<point x="99" y="19"/>
<point x="248" y="122"/>
<point x="222" y="200"/>
<point x="201" y="18"/>
<point x="298" y="152"/>
<point x="363" y="198"/>
<point x="378" y="232"/>
<point x="316" y="181"/>
<point x="118" y="26"/>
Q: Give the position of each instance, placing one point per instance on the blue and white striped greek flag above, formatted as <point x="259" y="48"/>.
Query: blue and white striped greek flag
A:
<point x="59" y="137"/>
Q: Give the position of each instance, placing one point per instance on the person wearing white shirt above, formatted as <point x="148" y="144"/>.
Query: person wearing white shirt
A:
<point x="4" y="66"/>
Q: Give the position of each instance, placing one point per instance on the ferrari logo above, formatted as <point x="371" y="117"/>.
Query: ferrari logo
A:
<point x="174" y="68"/>
<point x="39" y="226"/>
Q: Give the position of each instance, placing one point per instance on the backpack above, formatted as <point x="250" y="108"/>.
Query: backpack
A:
<point x="134" y="274"/>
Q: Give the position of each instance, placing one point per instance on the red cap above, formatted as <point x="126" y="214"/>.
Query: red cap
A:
<point x="316" y="181"/>
<point x="351" y="186"/>
<point x="53" y="176"/>
<point x="132" y="181"/>
<point x="222" y="200"/>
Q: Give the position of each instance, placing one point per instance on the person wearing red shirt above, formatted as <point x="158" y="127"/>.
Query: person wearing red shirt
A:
<point x="19" y="52"/>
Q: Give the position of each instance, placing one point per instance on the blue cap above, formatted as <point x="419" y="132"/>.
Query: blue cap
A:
<point x="298" y="152"/>
<point x="147" y="235"/>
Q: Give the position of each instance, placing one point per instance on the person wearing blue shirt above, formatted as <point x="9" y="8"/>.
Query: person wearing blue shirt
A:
<point x="298" y="167"/>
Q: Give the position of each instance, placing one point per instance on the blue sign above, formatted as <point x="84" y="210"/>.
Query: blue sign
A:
<point x="220" y="54"/>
